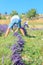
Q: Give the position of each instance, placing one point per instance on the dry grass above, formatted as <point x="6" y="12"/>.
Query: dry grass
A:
<point x="40" y="20"/>
<point x="4" y="21"/>
<point x="33" y="23"/>
<point x="36" y="20"/>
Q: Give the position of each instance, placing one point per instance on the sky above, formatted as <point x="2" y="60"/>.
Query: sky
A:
<point x="21" y="6"/>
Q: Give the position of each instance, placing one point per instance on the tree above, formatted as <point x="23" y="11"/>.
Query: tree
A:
<point x="22" y="15"/>
<point x="0" y="16"/>
<point x="31" y="13"/>
<point x="13" y="13"/>
<point x="5" y="13"/>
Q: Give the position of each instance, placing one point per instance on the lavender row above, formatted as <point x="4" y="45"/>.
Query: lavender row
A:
<point x="17" y="48"/>
<point x="3" y="29"/>
<point x="36" y="28"/>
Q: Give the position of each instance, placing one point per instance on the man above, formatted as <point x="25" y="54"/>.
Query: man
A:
<point x="14" y="20"/>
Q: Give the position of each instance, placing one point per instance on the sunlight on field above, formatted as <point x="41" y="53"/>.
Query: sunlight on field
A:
<point x="36" y="21"/>
<point x="32" y="53"/>
<point x="4" y="21"/>
<point x="33" y="48"/>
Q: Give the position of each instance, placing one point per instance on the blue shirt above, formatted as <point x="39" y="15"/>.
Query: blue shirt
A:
<point x="15" y="20"/>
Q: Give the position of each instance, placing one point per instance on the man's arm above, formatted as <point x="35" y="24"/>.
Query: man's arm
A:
<point x="22" y="31"/>
<point x="16" y="30"/>
<point x="7" y="32"/>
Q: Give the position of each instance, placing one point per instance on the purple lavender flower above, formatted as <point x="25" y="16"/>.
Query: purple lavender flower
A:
<point x="20" y="63"/>
<point x="14" y="46"/>
<point x="15" y="58"/>
<point x="20" y="42"/>
<point x="36" y="28"/>
<point x="3" y="27"/>
<point x="19" y="37"/>
<point x="16" y="50"/>
<point x="15" y="34"/>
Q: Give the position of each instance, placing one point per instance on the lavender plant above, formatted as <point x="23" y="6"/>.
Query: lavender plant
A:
<point x="17" y="48"/>
<point x="3" y="28"/>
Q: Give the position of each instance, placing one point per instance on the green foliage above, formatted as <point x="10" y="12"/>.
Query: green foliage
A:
<point x="33" y="48"/>
<point x="31" y="13"/>
<point x="13" y="13"/>
<point x="22" y="16"/>
<point x="0" y="16"/>
<point x="4" y="17"/>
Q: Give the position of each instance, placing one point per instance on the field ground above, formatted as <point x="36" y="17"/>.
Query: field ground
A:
<point x="37" y="23"/>
<point x="33" y="48"/>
